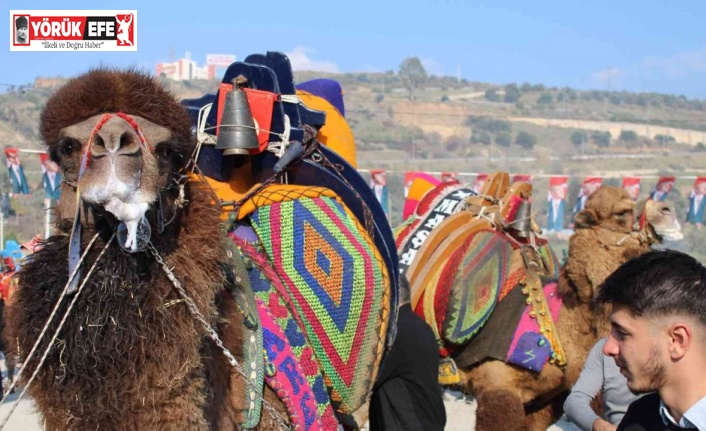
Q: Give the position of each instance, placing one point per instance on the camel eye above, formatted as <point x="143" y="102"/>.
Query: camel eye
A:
<point x="68" y="146"/>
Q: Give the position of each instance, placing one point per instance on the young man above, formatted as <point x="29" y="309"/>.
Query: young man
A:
<point x="658" y="339"/>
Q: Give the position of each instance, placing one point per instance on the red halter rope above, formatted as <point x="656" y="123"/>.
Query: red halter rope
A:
<point x="86" y="157"/>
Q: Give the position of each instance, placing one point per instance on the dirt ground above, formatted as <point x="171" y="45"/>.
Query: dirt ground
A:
<point x="460" y="413"/>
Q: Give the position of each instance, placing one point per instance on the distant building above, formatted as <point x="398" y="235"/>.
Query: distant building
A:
<point x="48" y="82"/>
<point x="185" y="68"/>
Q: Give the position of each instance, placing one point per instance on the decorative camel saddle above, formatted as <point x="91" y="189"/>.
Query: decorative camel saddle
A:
<point x="320" y="256"/>
<point x="482" y="271"/>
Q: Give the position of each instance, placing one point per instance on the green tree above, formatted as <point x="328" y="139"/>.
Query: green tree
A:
<point x="412" y="75"/>
<point x="512" y="93"/>
<point x="525" y="140"/>
<point x="602" y="139"/>
<point x="579" y="137"/>
<point x="545" y="98"/>
<point x="480" y="137"/>
<point x="488" y="124"/>
<point x="492" y="95"/>
<point x="503" y="139"/>
<point x="628" y="135"/>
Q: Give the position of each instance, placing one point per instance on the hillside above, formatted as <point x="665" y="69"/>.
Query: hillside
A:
<point x="463" y="126"/>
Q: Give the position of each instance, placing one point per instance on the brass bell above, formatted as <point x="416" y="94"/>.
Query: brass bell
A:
<point x="522" y="224"/>
<point x="236" y="133"/>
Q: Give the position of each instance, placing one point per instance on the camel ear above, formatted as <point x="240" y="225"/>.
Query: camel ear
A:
<point x="586" y="218"/>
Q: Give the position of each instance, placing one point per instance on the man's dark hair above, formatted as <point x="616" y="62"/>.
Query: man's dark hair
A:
<point x="658" y="283"/>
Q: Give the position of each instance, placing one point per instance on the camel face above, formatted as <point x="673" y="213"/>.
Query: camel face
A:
<point x="122" y="173"/>
<point x="662" y="217"/>
<point x="118" y="137"/>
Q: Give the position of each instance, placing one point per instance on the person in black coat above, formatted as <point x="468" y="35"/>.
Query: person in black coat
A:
<point x="407" y="395"/>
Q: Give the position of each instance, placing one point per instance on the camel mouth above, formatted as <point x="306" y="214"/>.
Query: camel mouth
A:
<point x="673" y="234"/>
<point x="128" y="202"/>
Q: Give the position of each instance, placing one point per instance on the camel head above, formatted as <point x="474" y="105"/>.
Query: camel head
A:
<point x="119" y="138"/>
<point x="658" y="221"/>
<point x="610" y="208"/>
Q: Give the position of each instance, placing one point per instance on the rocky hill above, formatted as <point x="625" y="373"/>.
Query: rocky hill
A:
<point x="462" y="126"/>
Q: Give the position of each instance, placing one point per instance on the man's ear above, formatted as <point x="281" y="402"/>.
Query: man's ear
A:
<point x="680" y="339"/>
<point x="586" y="218"/>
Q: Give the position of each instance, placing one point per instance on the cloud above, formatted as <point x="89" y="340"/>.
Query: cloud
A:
<point x="611" y="77"/>
<point x="678" y="65"/>
<point x="432" y="67"/>
<point x="301" y="60"/>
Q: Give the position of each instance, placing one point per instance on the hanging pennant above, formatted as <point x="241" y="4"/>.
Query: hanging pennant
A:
<point x="479" y="182"/>
<point x="558" y="187"/>
<point x="697" y="203"/>
<point x="18" y="181"/>
<point x="378" y="183"/>
<point x="662" y="188"/>
<point x="632" y="186"/>
<point x="51" y="179"/>
<point x="588" y="187"/>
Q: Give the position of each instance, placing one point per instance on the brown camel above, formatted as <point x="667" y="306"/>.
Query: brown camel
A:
<point x="130" y="355"/>
<point x="510" y="398"/>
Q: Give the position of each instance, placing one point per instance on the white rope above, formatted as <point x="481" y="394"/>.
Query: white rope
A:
<point x="290" y="98"/>
<point x="56" y="332"/>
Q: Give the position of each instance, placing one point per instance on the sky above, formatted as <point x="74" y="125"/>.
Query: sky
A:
<point x="635" y="45"/>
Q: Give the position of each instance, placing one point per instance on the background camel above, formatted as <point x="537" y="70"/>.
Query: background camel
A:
<point x="608" y="233"/>
<point x="510" y="398"/>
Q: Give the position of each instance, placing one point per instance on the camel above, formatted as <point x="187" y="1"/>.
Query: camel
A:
<point x="131" y="355"/>
<point x="608" y="233"/>
<point x="510" y="398"/>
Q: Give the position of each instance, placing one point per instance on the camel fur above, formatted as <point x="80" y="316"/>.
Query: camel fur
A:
<point x="130" y="355"/>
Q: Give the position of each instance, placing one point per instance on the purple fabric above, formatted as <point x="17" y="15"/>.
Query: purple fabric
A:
<point x="328" y="89"/>
<point x="246" y="233"/>
<point x="529" y="325"/>
<point x="531" y="352"/>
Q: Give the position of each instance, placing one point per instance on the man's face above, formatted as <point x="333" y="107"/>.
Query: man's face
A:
<point x="700" y="189"/>
<point x="557" y="192"/>
<point x="665" y="187"/>
<point x="22" y="32"/>
<point x="590" y="188"/>
<point x="635" y="344"/>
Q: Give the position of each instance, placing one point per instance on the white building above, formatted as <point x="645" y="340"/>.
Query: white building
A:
<point x="185" y="68"/>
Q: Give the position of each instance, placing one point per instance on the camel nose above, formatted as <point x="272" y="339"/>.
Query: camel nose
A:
<point x="116" y="137"/>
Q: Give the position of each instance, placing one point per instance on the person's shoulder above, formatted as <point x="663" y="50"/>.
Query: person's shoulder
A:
<point x="648" y="402"/>
<point x="643" y="411"/>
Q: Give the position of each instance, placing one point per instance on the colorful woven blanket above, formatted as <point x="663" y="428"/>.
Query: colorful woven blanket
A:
<point x="296" y="375"/>
<point x="335" y="284"/>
